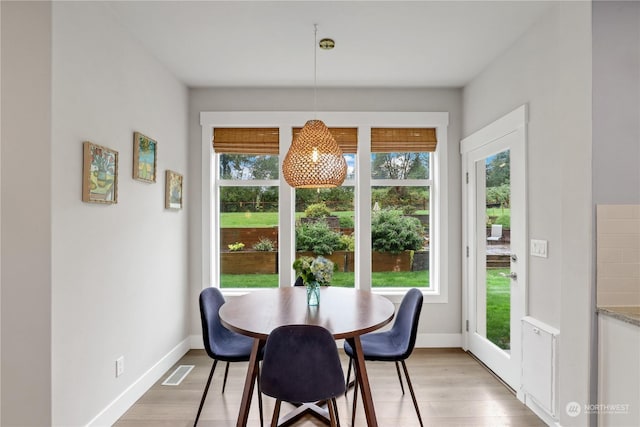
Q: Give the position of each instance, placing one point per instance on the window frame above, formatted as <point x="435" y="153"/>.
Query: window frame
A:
<point x="416" y="183"/>
<point x="364" y="121"/>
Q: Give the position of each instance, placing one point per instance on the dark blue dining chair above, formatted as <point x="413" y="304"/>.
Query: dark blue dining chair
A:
<point x="221" y="343"/>
<point x="394" y="345"/>
<point x="301" y="364"/>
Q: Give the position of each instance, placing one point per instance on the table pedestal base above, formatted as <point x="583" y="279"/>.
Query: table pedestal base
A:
<point x="305" y="408"/>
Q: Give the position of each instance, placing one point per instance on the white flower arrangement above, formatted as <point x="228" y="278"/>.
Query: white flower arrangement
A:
<point x="318" y="269"/>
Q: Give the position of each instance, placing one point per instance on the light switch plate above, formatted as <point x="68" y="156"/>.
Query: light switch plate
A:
<point x="119" y="366"/>
<point x="538" y="248"/>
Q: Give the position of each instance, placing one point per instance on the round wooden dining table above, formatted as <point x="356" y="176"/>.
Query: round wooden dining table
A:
<point x="346" y="313"/>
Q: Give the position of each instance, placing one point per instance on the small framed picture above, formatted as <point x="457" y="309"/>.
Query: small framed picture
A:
<point x="145" y="158"/>
<point x="173" y="190"/>
<point x="99" y="174"/>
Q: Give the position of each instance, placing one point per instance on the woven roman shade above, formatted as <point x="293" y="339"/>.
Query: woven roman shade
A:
<point x="409" y="140"/>
<point x="347" y="138"/>
<point x="246" y="141"/>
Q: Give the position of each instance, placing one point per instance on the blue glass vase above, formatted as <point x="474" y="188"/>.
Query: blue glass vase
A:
<point x="313" y="293"/>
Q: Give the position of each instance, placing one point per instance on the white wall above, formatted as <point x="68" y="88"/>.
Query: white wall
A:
<point x="0" y="214"/>
<point x="550" y="69"/>
<point x="26" y="214"/>
<point x="435" y="318"/>
<point x="616" y="102"/>
<point x="119" y="272"/>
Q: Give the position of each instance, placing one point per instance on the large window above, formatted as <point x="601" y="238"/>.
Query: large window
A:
<point x="400" y="206"/>
<point x="324" y="223"/>
<point x="392" y="204"/>
<point x="247" y="194"/>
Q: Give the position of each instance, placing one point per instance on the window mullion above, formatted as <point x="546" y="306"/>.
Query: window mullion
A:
<point x="215" y="207"/>
<point x="362" y="211"/>
<point x="286" y="215"/>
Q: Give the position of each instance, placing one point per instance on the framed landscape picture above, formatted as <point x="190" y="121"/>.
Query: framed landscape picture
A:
<point x="99" y="174"/>
<point x="145" y="157"/>
<point x="173" y="190"/>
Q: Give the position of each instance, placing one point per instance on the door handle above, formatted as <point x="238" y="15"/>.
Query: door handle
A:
<point x="513" y="275"/>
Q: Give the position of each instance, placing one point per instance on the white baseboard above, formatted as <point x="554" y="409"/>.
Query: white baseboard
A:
<point x="546" y="417"/>
<point x="109" y="415"/>
<point x="439" y="340"/>
<point x="422" y="341"/>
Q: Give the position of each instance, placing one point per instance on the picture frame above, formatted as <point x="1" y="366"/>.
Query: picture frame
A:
<point x="145" y="158"/>
<point x="99" y="174"/>
<point x="173" y="190"/>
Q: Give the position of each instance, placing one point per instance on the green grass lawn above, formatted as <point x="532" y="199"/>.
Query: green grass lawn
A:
<point x="498" y="211"/>
<point x="498" y="307"/>
<point x="248" y="219"/>
<point x="270" y="219"/>
<point x="408" y="279"/>
<point x="266" y="219"/>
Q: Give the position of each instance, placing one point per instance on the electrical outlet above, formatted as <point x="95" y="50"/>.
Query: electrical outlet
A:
<point x="538" y="248"/>
<point x="119" y="366"/>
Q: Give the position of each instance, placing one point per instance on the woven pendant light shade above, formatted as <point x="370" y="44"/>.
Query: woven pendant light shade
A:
<point x="314" y="159"/>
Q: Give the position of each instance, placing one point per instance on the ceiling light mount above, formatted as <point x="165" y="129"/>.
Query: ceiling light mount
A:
<point x="327" y="44"/>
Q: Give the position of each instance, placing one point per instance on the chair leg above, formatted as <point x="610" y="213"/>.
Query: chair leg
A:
<point x="259" y="398"/>
<point x="332" y="412"/>
<point x="204" y="394"/>
<point x="335" y="408"/>
<point x="413" y="395"/>
<point x="355" y="399"/>
<point x="399" y="377"/>
<point x="276" y="413"/>
<point x="226" y="372"/>
<point x="348" y="376"/>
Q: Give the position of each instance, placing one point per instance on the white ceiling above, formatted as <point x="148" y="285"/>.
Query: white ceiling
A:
<point x="378" y="44"/>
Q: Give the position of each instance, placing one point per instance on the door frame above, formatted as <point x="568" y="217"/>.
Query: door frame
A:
<point x="513" y="122"/>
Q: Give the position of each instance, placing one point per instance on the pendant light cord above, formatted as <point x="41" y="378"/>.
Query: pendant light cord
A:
<point x="315" y="71"/>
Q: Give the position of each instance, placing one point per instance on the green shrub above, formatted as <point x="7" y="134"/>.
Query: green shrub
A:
<point x="317" y="237"/>
<point x="347" y="242"/>
<point x="264" y="245"/>
<point x="408" y="209"/>
<point x="317" y="210"/>
<point x="500" y="195"/>
<point x="393" y="232"/>
<point x="346" y="221"/>
<point x="379" y="195"/>
<point x="387" y="197"/>
<point x="236" y="247"/>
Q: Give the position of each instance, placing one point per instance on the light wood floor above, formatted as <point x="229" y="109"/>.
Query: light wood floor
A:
<point x="452" y="389"/>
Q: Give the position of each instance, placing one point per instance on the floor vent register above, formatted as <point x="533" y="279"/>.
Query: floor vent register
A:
<point x="178" y="375"/>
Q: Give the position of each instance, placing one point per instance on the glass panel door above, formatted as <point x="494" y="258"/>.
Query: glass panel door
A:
<point x="496" y="240"/>
<point x="493" y="297"/>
